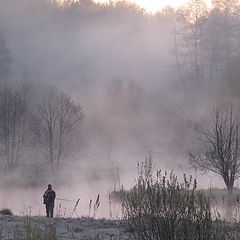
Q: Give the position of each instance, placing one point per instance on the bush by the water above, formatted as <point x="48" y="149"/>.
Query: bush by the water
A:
<point x="160" y="207"/>
<point x="6" y="211"/>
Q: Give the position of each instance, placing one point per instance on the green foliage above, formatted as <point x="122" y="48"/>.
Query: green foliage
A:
<point x="6" y="211"/>
<point x="162" y="208"/>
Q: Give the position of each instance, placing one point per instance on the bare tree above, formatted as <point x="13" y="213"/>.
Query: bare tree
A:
<point x="13" y="121"/>
<point x="221" y="146"/>
<point x="192" y="20"/>
<point x="177" y="57"/>
<point x="56" y="128"/>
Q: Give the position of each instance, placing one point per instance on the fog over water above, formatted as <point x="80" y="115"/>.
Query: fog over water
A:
<point x="118" y="62"/>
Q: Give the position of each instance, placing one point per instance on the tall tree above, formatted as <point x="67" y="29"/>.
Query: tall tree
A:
<point x="13" y="122"/>
<point x="56" y="126"/>
<point x="192" y="19"/>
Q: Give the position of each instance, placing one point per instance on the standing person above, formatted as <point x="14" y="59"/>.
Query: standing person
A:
<point x="48" y="199"/>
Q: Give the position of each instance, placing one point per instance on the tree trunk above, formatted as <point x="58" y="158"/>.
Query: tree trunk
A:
<point x="179" y="69"/>
<point x="229" y="203"/>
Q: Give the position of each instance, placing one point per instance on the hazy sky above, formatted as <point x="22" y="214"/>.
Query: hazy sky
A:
<point x="154" y="5"/>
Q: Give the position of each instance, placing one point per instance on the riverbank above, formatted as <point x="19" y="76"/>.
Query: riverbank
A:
<point x="16" y="228"/>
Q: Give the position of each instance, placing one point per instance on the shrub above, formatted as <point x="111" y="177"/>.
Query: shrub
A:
<point x="159" y="207"/>
<point x="6" y="211"/>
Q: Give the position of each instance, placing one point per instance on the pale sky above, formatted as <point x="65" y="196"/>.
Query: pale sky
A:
<point x="153" y="5"/>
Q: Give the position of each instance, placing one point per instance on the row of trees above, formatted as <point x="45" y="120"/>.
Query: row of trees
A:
<point x="50" y="128"/>
<point x="206" y="39"/>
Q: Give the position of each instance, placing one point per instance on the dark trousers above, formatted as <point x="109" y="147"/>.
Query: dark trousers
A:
<point x="49" y="209"/>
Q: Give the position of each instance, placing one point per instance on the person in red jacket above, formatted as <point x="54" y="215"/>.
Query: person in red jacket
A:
<point x="48" y="199"/>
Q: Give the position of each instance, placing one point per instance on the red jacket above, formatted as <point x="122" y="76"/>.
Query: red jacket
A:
<point x="48" y="190"/>
<point x="47" y="199"/>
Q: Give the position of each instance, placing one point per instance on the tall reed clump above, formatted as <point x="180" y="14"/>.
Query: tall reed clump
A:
<point x="31" y="232"/>
<point x="159" y="207"/>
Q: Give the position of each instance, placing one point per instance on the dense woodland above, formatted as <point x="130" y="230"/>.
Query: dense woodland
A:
<point x="112" y="75"/>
